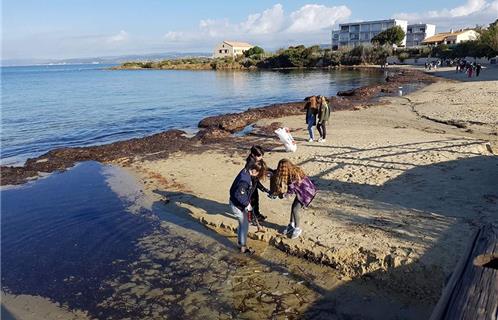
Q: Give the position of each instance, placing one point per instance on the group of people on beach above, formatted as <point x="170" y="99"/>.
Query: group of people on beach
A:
<point x="286" y="180"/>
<point x="468" y="67"/>
<point x="317" y="114"/>
<point x="429" y="65"/>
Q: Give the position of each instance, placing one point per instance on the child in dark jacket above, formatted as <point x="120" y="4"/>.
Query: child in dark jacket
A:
<point x="256" y="154"/>
<point x="291" y="179"/>
<point x="240" y="199"/>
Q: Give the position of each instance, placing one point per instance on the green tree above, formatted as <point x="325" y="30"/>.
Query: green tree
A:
<point x="254" y="50"/>
<point x="489" y="38"/>
<point x="391" y="36"/>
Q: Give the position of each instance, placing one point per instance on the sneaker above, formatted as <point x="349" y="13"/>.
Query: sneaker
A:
<point x="310" y="140"/>
<point x="288" y="229"/>
<point x="296" y="233"/>
<point x="320" y="140"/>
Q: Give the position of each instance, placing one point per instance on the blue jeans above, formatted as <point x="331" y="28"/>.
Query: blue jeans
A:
<point x="310" y="131"/>
<point x="243" y="224"/>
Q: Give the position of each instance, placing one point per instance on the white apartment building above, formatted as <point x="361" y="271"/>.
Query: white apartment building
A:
<point x="416" y="33"/>
<point x="354" y="34"/>
<point x="230" y="49"/>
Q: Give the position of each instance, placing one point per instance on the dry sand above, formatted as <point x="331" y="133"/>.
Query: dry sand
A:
<point x="402" y="186"/>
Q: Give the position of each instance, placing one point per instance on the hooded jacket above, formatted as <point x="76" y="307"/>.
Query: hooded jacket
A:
<point x="241" y="190"/>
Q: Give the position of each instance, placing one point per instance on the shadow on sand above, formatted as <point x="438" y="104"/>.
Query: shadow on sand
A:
<point x="461" y="190"/>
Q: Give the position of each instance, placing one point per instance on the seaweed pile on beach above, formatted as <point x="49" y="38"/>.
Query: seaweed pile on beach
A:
<point x="212" y="130"/>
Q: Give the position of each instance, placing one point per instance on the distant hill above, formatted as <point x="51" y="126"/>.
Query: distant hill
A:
<point x="107" y="59"/>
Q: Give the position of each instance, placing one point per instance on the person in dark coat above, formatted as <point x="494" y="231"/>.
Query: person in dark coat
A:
<point x="256" y="154"/>
<point x="478" y="69"/>
<point x="240" y="200"/>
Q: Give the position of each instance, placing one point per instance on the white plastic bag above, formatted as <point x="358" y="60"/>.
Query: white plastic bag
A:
<point x="286" y="138"/>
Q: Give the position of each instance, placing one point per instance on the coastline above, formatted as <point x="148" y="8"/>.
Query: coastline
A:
<point x="212" y="129"/>
<point x="403" y="180"/>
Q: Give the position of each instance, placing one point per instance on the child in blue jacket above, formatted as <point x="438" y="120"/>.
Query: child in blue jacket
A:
<point x="240" y="199"/>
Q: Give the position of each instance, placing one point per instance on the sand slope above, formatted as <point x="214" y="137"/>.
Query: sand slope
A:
<point x="399" y="196"/>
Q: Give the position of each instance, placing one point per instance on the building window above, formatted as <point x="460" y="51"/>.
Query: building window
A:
<point x="345" y="28"/>
<point x="354" y="36"/>
<point x="220" y="51"/>
<point x="226" y="51"/>
<point x="376" y="27"/>
<point x="409" y="30"/>
<point x="364" y="27"/>
<point x="354" y="28"/>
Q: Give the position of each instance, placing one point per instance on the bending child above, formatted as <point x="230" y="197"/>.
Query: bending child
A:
<point x="240" y="199"/>
<point x="291" y="179"/>
<point x="311" y="112"/>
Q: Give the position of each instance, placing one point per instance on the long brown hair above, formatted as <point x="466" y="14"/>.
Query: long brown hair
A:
<point x="286" y="173"/>
<point x="259" y="166"/>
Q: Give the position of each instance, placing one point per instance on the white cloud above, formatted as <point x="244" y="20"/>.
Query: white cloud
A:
<point x="470" y="7"/>
<point x="122" y="36"/>
<point x="494" y="6"/>
<point x="309" y="24"/>
<point x="469" y="14"/>
<point x="314" y="17"/>
<point x="174" y="36"/>
<point x="269" y="21"/>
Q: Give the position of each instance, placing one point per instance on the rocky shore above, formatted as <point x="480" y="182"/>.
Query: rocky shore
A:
<point x="212" y="129"/>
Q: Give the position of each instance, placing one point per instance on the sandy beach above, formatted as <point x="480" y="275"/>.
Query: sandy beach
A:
<point x="403" y="183"/>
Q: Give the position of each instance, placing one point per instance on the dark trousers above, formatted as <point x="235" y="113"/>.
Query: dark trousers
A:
<point x="322" y="129"/>
<point x="255" y="202"/>
<point x="296" y="205"/>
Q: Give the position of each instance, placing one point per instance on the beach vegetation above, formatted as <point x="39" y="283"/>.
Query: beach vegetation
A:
<point x="489" y="38"/>
<point x="254" y="51"/>
<point x="366" y="55"/>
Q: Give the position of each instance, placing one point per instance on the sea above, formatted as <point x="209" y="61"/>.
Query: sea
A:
<point x="53" y="106"/>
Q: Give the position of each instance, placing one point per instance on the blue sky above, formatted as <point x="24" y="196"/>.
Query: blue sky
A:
<point x="86" y="28"/>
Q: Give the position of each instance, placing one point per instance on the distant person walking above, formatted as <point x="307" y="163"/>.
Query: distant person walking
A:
<point x="291" y="179"/>
<point x="469" y="71"/>
<point x="323" y="118"/>
<point x="311" y="112"/>
<point x="478" y="69"/>
<point x="240" y="200"/>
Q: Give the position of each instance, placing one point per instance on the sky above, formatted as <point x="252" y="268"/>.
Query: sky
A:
<point x="59" y="29"/>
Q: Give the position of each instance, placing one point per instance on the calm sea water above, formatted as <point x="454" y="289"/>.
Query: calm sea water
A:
<point x="45" y="107"/>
